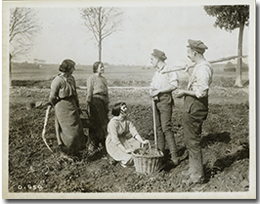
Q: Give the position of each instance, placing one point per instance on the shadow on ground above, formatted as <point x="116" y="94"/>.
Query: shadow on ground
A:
<point x="215" y="137"/>
<point x="242" y="152"/>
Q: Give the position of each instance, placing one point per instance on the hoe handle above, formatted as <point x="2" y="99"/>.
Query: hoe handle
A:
<point x="154" y="126"/>
<point x="44" y="127"/>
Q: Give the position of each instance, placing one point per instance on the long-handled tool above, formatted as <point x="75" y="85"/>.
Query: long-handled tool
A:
<point x="44" y="127"/>
<point x="154" y="127"/>
<point x="178" y="68"/>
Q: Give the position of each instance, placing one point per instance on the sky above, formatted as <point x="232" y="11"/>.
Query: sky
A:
<point x="63" y="35"/>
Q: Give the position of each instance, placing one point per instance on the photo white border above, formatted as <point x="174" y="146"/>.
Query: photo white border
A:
<point x="251" y="194"/>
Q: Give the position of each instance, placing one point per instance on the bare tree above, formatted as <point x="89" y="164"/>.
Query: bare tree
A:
<point x="102" y="22"/>
<point x="230" y="18"/>
<point x="22" y="29"/>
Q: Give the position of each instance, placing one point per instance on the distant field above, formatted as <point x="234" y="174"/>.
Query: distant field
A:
<point x="112" y="73"/>
<point x="47" y="72"/>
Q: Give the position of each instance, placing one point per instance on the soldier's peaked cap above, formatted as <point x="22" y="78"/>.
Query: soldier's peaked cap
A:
<point x="197" y="45"/>
<point x="159" y="54"/>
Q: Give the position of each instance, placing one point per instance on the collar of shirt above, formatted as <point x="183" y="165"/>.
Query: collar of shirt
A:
<point x="120" y="118"/>
<point x="159" y="69"/>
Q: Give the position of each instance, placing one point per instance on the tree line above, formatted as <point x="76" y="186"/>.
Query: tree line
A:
<point x="102" y="22"/>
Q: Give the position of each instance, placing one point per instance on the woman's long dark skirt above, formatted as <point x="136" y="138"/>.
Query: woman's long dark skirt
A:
<point x="99" y="116"/>
<point x="68" y="126"/>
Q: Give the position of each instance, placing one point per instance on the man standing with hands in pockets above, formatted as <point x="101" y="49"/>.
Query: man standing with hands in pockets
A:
<point x="161" y="90"/>
<point x="195" y="109"/>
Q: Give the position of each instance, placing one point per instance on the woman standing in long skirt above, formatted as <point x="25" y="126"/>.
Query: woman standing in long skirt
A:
<point x="64" y="98"/>
<point x="97" y="105"/>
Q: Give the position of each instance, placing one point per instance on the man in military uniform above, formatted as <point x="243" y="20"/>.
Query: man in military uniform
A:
<point x="195" y="108"/>
<point x="161" y="88"/>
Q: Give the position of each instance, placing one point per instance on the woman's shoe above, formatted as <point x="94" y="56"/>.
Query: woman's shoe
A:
<point x="176" y="161"/>
<point x="66" y="157"/>
<point x="190" y="181"/>
<point x="123" y="165"/>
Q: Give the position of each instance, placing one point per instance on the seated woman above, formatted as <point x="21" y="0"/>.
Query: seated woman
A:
<point x="123" y="137"/>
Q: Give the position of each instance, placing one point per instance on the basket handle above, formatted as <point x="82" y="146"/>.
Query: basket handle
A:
<point x="149" y="146"/>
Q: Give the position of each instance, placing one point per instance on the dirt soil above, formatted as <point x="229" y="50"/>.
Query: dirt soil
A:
<point x="33" y="168"/>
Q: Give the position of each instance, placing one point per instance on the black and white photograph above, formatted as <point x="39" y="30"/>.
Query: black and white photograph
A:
<point x="129" y="99"/>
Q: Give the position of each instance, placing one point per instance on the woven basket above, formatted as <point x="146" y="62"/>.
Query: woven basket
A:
<point x="147" y="164"/>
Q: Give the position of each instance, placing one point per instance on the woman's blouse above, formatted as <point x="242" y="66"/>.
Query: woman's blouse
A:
<point x="118" y="128"/>
<point x="63" y="87"/>
<point x="97" y="87"/>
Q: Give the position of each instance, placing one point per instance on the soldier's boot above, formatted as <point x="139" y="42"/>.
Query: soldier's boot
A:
<point x="173" y="148"/>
